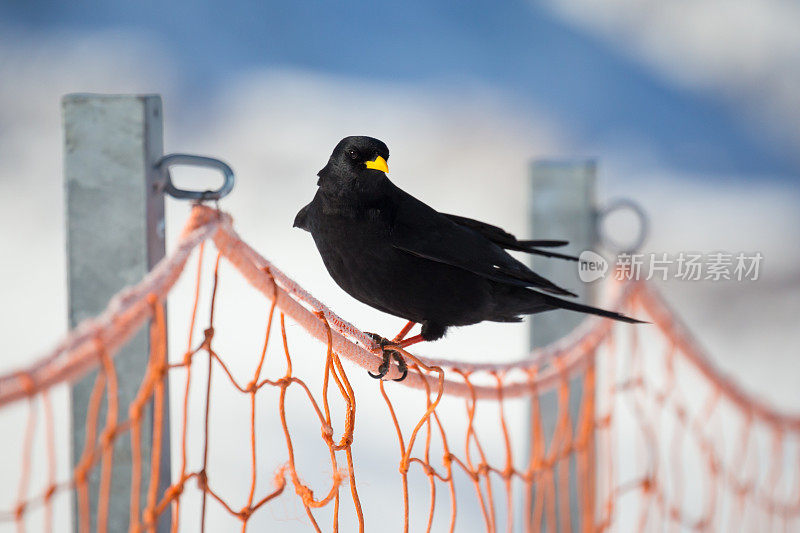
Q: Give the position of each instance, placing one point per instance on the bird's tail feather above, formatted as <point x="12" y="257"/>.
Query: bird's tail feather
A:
<point x="533" y="247"/>
<point x="544" y="243"/>
<point x="581" y="308"/>
<point x="548" y="253"/>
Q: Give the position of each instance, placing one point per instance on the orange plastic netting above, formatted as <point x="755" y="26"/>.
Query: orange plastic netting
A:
<point x="623" y="428"/>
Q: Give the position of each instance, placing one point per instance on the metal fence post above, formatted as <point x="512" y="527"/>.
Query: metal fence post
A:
<point x="563" y="206"/>
<point x="115" y="234"/>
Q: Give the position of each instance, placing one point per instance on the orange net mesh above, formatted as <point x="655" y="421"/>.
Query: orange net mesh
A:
<point x="613" y="428"/>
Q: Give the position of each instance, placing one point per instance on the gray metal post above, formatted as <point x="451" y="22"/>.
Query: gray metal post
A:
<point x="115" y="235"/>
<point x="563" y="206"/>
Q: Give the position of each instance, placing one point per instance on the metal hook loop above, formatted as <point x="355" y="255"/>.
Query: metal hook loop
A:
<point x="169" y="160"/>
<point x="623" y="204"/>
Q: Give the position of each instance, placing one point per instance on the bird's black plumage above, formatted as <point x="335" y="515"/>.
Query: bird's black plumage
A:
<point x="395" y="253"/>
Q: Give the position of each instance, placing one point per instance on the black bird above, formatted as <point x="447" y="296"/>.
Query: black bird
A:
<point x="395" y="253"/>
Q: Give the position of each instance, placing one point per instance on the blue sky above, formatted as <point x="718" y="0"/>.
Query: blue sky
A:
<point x="590" y="87"/>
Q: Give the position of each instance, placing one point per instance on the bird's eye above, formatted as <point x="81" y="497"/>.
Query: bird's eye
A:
<point x="352" y="153"/>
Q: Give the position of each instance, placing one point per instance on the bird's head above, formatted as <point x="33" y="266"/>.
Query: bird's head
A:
<point x="356" y="156"/>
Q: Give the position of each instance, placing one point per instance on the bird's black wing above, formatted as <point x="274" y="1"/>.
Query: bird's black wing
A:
<point x="506" y="240"/>
<point x="422" y="231"/>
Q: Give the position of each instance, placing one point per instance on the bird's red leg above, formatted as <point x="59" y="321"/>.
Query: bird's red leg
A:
<point x="409" y="341"/>
<point x="403" y="332"/>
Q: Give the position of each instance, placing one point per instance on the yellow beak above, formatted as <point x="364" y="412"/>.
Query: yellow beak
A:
<point x="378" y="164"/>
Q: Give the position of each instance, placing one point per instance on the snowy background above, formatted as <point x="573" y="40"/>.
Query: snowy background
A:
<point x="691" y="109"/>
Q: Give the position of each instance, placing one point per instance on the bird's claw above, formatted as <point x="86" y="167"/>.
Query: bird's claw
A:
<point x="383" y="342"/>
<point x="401" y="365"/>
<point x="388" y="354"/>
<point x="382" y="370"/>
